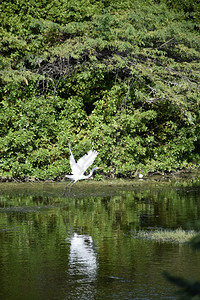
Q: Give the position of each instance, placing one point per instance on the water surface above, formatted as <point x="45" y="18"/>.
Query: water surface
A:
<point x="81" y="245"/>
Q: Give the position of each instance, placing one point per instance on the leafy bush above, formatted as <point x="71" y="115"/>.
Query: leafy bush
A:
<point x="119" y="77"/>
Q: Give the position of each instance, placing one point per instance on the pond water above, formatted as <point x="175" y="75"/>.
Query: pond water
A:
<point x="56" y="244"/>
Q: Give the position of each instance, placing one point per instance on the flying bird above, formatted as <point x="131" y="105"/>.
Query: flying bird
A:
<point x="79" y="167"/>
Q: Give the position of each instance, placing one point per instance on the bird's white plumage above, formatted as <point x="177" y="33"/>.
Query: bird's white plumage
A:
<point x="78" y="168"/>
<point x="87" y="160"/>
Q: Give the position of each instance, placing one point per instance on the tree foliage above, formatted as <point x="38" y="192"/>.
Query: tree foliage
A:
<point x="120" y="77"/>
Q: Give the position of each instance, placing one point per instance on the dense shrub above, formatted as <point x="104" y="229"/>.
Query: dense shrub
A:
<point x="122" y="78"/>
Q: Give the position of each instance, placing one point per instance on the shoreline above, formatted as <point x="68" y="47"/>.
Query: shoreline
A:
<point x="157" y="176"/>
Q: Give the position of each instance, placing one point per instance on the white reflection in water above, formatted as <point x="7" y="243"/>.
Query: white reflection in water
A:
<point x="82" y="260"/>
<point x="82" y="268"/>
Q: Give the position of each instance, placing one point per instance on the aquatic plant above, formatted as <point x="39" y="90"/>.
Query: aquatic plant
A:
<point x="164" y="235"/>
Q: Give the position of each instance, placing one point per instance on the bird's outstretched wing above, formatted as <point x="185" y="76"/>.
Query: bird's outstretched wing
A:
<point x="87" y="160"/>
<point x="83" y="163"/>
<point x="74" y="166"/>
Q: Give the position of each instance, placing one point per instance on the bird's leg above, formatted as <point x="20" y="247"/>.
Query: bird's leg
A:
<point x="72" y="183"/>
<point x="69" y="185"/>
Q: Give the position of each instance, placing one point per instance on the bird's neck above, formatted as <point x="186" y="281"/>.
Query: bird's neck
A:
<point x="91" y="172"/>
<point x="88" y="176"/>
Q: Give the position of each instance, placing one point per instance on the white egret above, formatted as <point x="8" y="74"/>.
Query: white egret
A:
<point x="79" y="167"/>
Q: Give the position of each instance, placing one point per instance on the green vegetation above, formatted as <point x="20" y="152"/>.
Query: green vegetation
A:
<point x="173" y="236"/>
<point x="119" y="77"/>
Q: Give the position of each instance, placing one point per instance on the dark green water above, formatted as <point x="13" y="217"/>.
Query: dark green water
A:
<point x="81" y="245"/>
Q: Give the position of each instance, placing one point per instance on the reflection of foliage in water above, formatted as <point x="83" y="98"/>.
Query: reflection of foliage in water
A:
<point x="144" y="206"/>
<point x="132" y="210"/>
<point x="189" y="289"/>
<point x="33" y="229"/>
